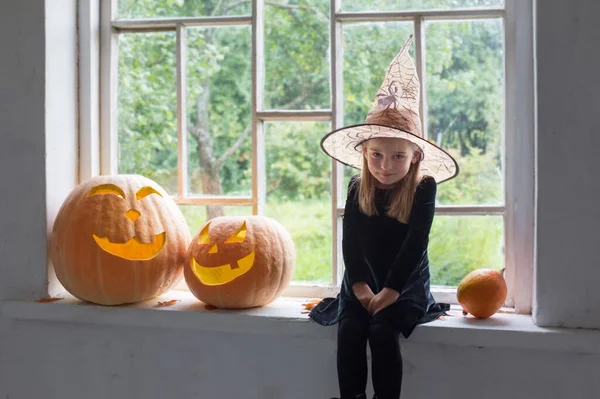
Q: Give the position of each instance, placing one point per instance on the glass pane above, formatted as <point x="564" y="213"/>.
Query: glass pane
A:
<point x="195" y="215"/>
<point x="368" y="52"/>
<point x="297" y="54"/>
<point x="404" y="5"/>
<point x="460" y="244"/>
<point x="465" y="86"/>
<point x="147" y="103"/>
<point x="219" y="111"/>
<point x="299" y="193"/>
<point x="129" y="9"/>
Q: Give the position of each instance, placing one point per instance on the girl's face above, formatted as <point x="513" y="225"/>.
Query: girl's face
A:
<point x="389" y="159"/>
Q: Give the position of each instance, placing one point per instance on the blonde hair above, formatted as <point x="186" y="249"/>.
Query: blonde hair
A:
<point x="401" y="196"/>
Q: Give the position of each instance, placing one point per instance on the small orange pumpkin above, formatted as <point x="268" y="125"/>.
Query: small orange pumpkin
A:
<point x="482" y="292"/>
<point x="240" y="262"/>
<point x="119" y="239"/>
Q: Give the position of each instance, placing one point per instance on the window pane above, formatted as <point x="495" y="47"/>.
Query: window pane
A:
<point x="465" y="86"/>
<point x="299" y="193"/>
<point x="219" y="111"/>
<point x="147" y="102"/>
<point x="129" y="9"/>
<point x="195" y="215"/>
<point x="460" y="244"/>
<point x="403" y="5"/>
<point x="368" y="52"/>
<point x="297" y="54"/>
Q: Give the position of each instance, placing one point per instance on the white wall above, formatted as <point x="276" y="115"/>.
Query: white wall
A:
<point x="22" y="149"/>
<point x="61" y="111"/>
<point x="94" y="362"/>
<point x="68" y="360"/>
<point x="568" y="142"/>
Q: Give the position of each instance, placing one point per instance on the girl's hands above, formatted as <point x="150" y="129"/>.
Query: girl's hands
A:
<point x="385" y="298"/>
<point x="363" y="293"/>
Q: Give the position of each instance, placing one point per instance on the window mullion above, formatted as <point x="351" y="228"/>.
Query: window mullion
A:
<point x="421" y="63"/>
<point x="259" y="177"/>
<point x="337" y="116"/>
<point x="89" y="85"/>
<point x="182" y="161"/>
<point x="409" y="15"/>
<point x="519" y="153"/>
<point x="170" y="24"/>
<point x="109" y="48"/>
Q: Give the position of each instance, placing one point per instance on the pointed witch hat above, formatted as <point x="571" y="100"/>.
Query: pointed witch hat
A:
<point x="395" y="113"/>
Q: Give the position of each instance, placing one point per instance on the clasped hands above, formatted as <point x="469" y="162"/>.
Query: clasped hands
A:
<point x="374" y="303"/>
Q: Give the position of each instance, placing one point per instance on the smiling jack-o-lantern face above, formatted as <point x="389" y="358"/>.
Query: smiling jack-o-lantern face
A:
<point x="119" y="239"/>
<point x="217" y="274"/>
<point x="133" y="249"/>
<point x="240" y="262"/>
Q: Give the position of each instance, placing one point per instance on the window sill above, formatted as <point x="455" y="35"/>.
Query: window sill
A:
<point x="285" y="316"/>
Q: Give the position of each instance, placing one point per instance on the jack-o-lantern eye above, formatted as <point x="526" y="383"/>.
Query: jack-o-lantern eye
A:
<point x="238" y="236"/>
<point x="106" y="189"/>
<point x="146" y="191"/>
<point x="204" y="238"/>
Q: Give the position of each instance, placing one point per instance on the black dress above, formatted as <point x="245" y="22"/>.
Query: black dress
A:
<point x="386" y="253"/>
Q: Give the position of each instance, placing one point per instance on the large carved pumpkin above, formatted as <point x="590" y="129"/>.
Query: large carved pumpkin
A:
<point x="482" y="292"/>
<point x="119" y="239"/>
<point x="240" y="262"/>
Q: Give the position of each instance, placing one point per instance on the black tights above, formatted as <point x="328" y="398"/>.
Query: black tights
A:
<point x="355" y="329"/>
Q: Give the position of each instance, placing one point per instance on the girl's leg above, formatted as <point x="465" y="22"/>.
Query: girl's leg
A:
<point x="386" y="358"/>
<point x="352" y="354"/>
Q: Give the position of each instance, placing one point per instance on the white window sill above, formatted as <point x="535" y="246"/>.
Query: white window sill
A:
<point x="285" y="316"/>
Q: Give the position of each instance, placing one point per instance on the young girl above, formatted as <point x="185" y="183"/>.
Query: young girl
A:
<point x="387" y="218"/>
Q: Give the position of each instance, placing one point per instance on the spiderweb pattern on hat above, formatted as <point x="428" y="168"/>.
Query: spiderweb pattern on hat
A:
<point x="395" y="113"/>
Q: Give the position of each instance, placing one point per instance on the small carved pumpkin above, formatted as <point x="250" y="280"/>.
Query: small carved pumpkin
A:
<point x="119" y="239"/>
<point x="240" y="262"/>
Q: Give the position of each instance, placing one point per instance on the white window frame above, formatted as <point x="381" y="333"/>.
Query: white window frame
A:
<point x="98" y="127"/>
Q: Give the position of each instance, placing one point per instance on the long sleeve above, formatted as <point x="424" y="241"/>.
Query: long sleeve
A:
<point x="415" y="244"/>
<point x="351" y="248"/>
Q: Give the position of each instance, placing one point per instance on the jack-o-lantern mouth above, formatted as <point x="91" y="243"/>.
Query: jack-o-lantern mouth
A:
<point x="222" y="274"/>
<point x="133" y="249"/>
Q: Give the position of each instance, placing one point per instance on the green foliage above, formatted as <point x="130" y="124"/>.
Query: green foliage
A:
<point x="297" y="170"/>
<point x="297" y="55"/>
<point x="147" y="106"/>
<point x="464" y="81"/>
<point x="309" y="224"/>
<point x="463" y="88"/>
<point x="460" y="244"/>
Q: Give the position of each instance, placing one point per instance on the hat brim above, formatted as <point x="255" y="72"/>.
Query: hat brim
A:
<point x="344" y="145"/>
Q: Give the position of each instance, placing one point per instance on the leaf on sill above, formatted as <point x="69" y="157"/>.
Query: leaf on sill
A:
<point x="46" y="300"/>
<point x="305" y="312"/>
<point x="210" y="307"/>
<point x="447" y="314"/>
<point x="311" y="303"/>
<point x="167" y="303"/>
